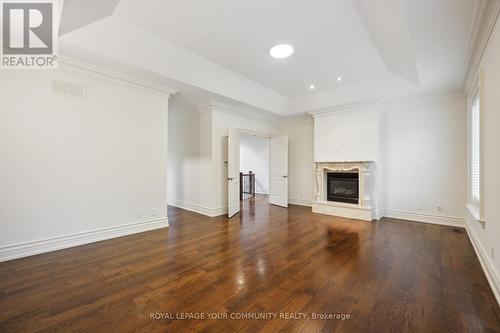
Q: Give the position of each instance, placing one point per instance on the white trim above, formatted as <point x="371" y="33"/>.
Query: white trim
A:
<point x="450" y="221"/>
<point x="203" y="210"/>
<point x="255" y="133"/>
<point x="249" y="113"/>
<point x="421" y="99"/>
<point x="477" y="15"/>
<point x="295" y="118"/>
<point x="110" y="74"/>
<point x="487" y="18"/>
<point x="348" y="107"/>
<point x="489" y="269"/>
<point x="26" y="249"/>
<point x="300" y="202"/>
<point x="474" y="213"/>
<point x="378" y="214"/>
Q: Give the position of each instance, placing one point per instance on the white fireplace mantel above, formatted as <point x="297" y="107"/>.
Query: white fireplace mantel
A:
<point x="364" y="209"/>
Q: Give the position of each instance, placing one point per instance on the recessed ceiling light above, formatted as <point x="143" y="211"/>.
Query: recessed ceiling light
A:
<point x="339" y="79"/>
<point x="281" y="51"/>
<point x="312" y="87"/>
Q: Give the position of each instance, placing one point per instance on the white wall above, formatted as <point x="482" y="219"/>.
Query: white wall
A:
<point x="197" y="171"/>
<point x="353" y="134"/>
<point x="300" y="160"/>
<point x="190" y="182"/>
<point x="254" y="156"/>
<point x="487" y="240"/>
<point x="419" y="150"/>
<point x="426" y="156"/>
<point x="346" y="136"/>
<point x="71" y="166"/>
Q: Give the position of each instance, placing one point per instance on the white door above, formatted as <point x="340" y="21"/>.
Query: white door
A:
<point x="279" y="171"/>
<point x="233" y="172"/>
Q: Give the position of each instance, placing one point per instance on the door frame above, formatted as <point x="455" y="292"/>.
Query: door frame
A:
<point x="250" y="132"/>
<point x="262" y="135"/>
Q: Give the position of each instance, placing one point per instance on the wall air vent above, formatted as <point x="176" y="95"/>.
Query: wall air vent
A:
<point x="69" y="89"/>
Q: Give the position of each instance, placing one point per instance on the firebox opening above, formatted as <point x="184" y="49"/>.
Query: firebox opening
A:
<point x="343" y="187"/>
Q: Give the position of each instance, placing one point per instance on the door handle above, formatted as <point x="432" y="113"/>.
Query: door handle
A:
<point x="230" y="178"/>
<point x="285" y="176"/>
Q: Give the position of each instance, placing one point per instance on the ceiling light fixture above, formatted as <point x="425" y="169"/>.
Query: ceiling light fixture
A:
<point x="339" y="79"/>
<point x="312" y="87"/>
<point x="281" y="51"/>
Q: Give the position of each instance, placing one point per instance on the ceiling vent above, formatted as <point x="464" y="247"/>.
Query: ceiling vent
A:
<point x="69" y="89"/>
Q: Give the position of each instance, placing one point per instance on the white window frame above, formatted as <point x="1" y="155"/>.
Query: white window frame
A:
<point x="476" y="191"/>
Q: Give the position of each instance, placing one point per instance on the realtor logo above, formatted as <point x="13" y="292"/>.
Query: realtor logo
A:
<point x="28" y="35"/>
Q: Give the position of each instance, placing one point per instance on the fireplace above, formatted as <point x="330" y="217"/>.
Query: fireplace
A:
<point x="343" y="187"/>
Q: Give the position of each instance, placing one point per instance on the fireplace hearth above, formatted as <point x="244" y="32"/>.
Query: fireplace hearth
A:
<point x="343" y="187"/>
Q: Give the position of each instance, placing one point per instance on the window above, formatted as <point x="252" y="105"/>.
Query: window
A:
<point x="475" y="150"/>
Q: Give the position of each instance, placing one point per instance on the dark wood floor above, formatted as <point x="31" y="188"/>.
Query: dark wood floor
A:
<point x="388" y="276"/>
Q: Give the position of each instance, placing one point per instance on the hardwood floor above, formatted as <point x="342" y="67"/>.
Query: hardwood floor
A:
<point x="388" y="276"/>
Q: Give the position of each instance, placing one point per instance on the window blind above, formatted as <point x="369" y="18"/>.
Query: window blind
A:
<point x="475" y="150"/>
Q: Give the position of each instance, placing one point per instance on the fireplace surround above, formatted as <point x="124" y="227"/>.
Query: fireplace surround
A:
<point x="346" y="201"/>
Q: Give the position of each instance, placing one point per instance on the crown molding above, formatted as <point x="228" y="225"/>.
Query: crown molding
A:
<point x="421" y="99"/>
<point x="111" y="74"/>
<point x="484" y="23"/>
<point x="476" y="16"/>
<point x="250" y="114"/>
<point x="296" y="118"/>
<point x="348" y="107"/>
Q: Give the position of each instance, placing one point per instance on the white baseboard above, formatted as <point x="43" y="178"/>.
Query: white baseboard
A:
<point x="377" y="215"/>
<point x="450" y="221"/>
<point x="489" y="269"/>
<point x="26" y="249"/>
<point x="300" y="202"/>
<point x="207" y="211"/>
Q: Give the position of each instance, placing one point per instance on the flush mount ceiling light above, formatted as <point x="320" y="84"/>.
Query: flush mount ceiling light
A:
<point x="281" y="51"/>
<point x="312" y="87"/>
<point x="339" y="79"/>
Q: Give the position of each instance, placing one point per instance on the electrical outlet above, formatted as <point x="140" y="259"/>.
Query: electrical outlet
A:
<point x="139" y="215"/>
<point x="439" y="209"/>
<point x="492" y="252"/>
<point x="154" y="212"/>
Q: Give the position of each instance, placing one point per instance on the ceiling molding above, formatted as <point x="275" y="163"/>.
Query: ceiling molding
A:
<point x="421" y="99"/>
<point x="110" y="74"/>
<point x="251" y="114"/>
<point x="296" y="118"/>
<point x="486" y="19"/>
<point x="477" y="14"/>
<point x="348" y="107"/>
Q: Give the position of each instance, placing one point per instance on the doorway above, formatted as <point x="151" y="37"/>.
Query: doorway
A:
<point x="268" y="155"/>
<point x="255" y="166"/>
